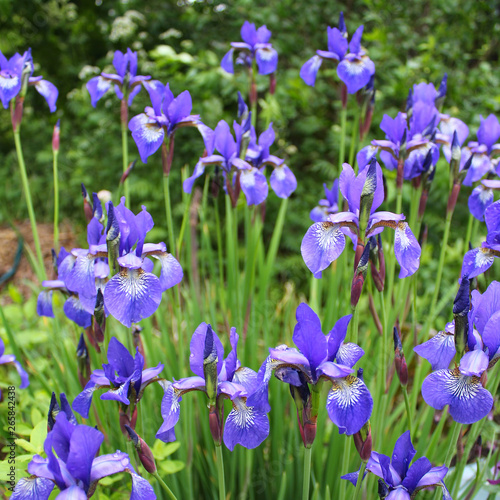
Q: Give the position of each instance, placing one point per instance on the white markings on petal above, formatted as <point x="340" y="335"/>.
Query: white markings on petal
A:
<point x="345" y="392"/>
<point x="483" y="258"/>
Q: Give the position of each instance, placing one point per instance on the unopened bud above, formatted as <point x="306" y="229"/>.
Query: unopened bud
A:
<point x="112" y="239"/>
<point x="216" y="423"/>
<point x="272" y="83"/>
<point x="399" y="359"/>
<point x="83" y="361"/>
<point x="125" y="174"/>
<point x="167" y="155"/>
<point x="54" y="409"/>
<point x="461" y="306"/>
<point x="55" y="137"/>
<point x="143" y="450"/>
<point x="441" y="92"/>
<point x="210" y="360"/>
<point x="87" y="206"/>
<point x="383" y="490"/>
<point x="363" y="441"/>
<point x="359" y="276"/>
<point x="253" y="93"/>
<point x="99" y="317"/>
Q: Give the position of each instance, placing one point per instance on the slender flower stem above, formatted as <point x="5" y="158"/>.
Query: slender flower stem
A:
<point x="56" y="200"/>
<point x="27" y="194"/>
<point x="343" y="122"/>
<point x="220" y="473"/>
<point x="408" y="410"/>
<point x="124" y="125"/>
<point x="307" y="473"/>
<point x="449" y="454"/>
<point x="354" y="137"/>
<point x="345" y="466"/>
<point x="168" y="212"/>
<point x="167" y="490"/>
<point x="444" y="248"/>
<point x="360" y="480"/>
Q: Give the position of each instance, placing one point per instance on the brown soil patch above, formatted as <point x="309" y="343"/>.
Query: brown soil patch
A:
<point x="25" y="278"/>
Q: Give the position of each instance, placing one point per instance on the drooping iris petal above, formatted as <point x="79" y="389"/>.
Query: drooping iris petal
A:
<point x="407" y="250"/>
<point x="468" y="400"/>
<point x="105" y="465"/>
<point x="283" y="181"/>
<point x="141" y="489"/>
<point x="33" y="488"/>
<point x="254" y="185"/>
<point x="349" y="354"/>
<point x="81" y="278"/>
<point x="310" y="69"/>
<point x="398" y="493"/>
<point x="245" y="425"/>
<point x="170" y="411"/>
<point x="321" y="245"/>
<point x="148" y="135"/>
<point x="438" y="351"/>
<point x="97" y="87"/>
<point x="349" y="404"/>
<point x="44" y="304"/>
<point x="76" y="312"/>
<point x="479" y="200"/>
<point x="23" y="374"/>
<point x="49" y="91"/>
<point x="355" y="72"/>
<point x="267" y="60"/>
<point x="491" y="336"/>
<point x="132" y="295"/>
<point x="171" y="271"/>
<point x="227" y="62"/>
<point x="476" y="262"/>
<point x="82" y="402"/>
<point x="380" y="465"/>
<point x="434" y="476"/>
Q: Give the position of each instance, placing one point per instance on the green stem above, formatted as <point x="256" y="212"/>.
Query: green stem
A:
<point x="408" y="410"/>
<point x="345" y="466"/>
<point x="354" y="137"/>
<point x="168" y="212"/>
<point x="220" y="473"/>
<point x="343" y="121"/>
<point x="359" y="481"/>
<point x="126" y="189"/>
<point x="27" y="194"/>
<point x="167" y="490"/>
<point x="307" y="474"/>
<point x="56" y="200"/>
<point x="442" y="255"/>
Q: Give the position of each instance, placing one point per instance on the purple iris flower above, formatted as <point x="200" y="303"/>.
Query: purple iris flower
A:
<point x="325" y="241"/>
<point x="247" y="424"/>
<point x="244" y="160"/>
<point x="326" y="206"/>
<point x="11" y="79"/>
<point x="478" y="260"/>
<point x="73" y="466"/>
<point x="349" y="403"/>
<point x="411" y="136"/>
<point x="461" y="389"/>
<point x="10" y="359"/>
<point x="123" y="375"/>
<point x="402" y="480"/>
<point x="126" y="80"/>
<point x="440" y="350"/>
<point x="355" y="68"/>
<point x="168" y="113"/>
<point x="485" y="316"/>
<point x="256" y="46"/>
<point x="482" y="150"/>
<point x="482" y="197"/>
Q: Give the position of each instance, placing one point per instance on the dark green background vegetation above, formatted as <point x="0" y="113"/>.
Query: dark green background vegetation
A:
<point x="183" y="42"/>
